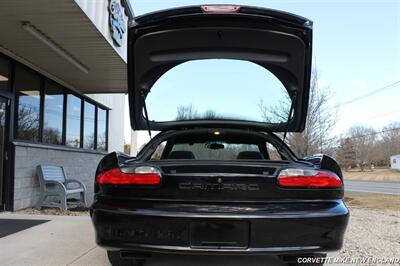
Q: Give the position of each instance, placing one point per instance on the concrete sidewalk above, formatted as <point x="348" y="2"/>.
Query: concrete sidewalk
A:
<point x="64" y="240"/>
<point x="69" y="240"/>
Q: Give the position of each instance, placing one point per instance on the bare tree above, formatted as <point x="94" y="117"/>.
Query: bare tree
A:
<point x="364" y="141"/>
<point x="346" y="154"/>
<point x="52" y="135"/>
<point x="316" y="137"/>
<point x="186" y="113"/>
<point x="189" y="112"/>
<point x="365" y="146"/>
<point x="28" y="122"/>
<point x="390" y="141"/>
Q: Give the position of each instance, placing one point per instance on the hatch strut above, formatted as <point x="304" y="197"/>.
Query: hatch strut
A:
<point x="288" y="119"/>
<point x="146" y="114"/>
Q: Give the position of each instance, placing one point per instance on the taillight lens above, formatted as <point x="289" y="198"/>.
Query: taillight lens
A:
<point x="143" y="175"/>
<point x="296" y="178"/>
<point x="220" y="9"/>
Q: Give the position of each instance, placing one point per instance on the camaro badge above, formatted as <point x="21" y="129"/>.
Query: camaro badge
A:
<point x="219" y="186"/>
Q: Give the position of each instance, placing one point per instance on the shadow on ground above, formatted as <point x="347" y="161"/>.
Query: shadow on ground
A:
<point x="184" y="260"/>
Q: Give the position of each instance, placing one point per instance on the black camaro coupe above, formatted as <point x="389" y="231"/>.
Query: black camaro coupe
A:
<point x="219" y="178"/>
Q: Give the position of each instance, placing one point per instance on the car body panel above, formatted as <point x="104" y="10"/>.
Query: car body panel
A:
<point x="274" y="228"/>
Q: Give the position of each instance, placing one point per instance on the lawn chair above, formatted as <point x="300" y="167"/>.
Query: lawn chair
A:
<point x="54" y="183"/>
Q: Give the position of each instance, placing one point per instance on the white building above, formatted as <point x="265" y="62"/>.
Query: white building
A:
<point x="395" y="162"/>
<point x="63" y="81"/>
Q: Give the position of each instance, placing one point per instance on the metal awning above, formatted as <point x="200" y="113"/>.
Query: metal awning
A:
<point x="65" y="24"/>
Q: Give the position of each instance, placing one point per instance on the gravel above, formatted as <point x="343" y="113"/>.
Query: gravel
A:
<point x="72" y="211"/>
<point x="372" y="233"/>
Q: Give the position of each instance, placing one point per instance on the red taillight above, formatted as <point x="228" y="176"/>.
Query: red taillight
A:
<point x="220" y="9"/>
<point x="308" y="178"/>
<point x="117" y="177"/>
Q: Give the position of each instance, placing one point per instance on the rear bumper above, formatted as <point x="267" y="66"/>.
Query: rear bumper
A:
<point x="273" y="228"/>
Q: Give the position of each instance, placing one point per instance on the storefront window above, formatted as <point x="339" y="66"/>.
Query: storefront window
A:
<point x="4" y="74"/>
<point x="46" y="112"/>
<point x="88" y="126"/>
<point x="53" y="113"/>
<point x="73" y="133"/>
<point x="101" y="129"/>
<point x="27" y="87"/>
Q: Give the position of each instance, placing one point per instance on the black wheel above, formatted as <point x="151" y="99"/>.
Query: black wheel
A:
<point x="115" y="259"/>
<point x="305" y="260"/>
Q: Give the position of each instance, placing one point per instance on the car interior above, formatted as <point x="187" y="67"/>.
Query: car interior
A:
<point x="210" y="146"/>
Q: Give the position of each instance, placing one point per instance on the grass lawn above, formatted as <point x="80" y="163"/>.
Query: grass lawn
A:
<point x="372" y="201"/>
<point x="379" y="174"/>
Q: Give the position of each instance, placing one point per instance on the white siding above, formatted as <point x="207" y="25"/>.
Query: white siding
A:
<point x="395" y="162"/>
<point x="97" y="12"/>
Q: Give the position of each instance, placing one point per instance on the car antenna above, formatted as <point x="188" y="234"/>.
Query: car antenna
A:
<point x="146" y="114"/>
<point x="288" y="120"/>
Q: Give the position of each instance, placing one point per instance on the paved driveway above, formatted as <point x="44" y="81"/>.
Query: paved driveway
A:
<point x="379" y="187"/>
<point x="69" y="240"/>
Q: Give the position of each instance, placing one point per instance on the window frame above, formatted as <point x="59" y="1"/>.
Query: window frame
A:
<point x="43" y="80"/>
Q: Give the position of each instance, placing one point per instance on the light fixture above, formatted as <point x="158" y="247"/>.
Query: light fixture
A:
<point x="3" y="78"/>
<point x="28" y="27"/>
<point x="217" y="133"/>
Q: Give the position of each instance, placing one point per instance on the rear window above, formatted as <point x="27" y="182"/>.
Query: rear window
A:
<point x="218" y="89"/>
<point x="215" y="150"/>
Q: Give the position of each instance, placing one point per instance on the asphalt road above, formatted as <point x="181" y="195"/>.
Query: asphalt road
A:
<point x="379" y="187"/>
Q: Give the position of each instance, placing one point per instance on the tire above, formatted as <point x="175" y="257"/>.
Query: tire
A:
<point x="115" y="259"/>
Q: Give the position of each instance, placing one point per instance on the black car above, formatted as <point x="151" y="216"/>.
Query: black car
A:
<point x="219" y="178"/>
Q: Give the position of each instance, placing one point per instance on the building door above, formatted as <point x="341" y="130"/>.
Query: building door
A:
<point x="3" y="155"/>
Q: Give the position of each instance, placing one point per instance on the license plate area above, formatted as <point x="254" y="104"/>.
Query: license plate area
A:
<point x="219" y="234"/>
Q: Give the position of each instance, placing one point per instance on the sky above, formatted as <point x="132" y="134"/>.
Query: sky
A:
<point x="356" y="49"/>
<point x="220" y="85"/>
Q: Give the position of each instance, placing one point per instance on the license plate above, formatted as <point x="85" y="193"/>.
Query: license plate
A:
<point x="219" y="234"/>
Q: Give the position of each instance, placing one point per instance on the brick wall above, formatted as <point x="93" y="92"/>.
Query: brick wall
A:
<point x="79" y="164"/>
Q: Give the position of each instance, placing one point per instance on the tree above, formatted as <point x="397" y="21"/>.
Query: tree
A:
<point x="52" y="135"/>
<point x="188" y="112"/>
<point x="390" y="141"/>
<point x="346" y="153"/>
<point x="364" y="141"/>
<point x="316" y="138"/>
<point x="365" y="146"/>
<point x="28" y="122"/>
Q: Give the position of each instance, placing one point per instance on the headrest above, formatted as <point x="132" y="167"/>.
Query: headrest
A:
<point x="181" y="155"/>
<point x="249" y="155"/>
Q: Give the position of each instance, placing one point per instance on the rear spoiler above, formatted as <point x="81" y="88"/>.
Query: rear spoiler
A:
<point x="322" y="161"/>
<point x="159" y="16"/>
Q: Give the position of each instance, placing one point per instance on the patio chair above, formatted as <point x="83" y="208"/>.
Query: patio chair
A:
<point x="54" y="184"/>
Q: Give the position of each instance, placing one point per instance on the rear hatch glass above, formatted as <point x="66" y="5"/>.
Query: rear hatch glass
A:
<point x="218" y="89"/>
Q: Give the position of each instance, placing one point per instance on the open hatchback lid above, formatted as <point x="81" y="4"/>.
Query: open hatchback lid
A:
<point x="219" y="66"/>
